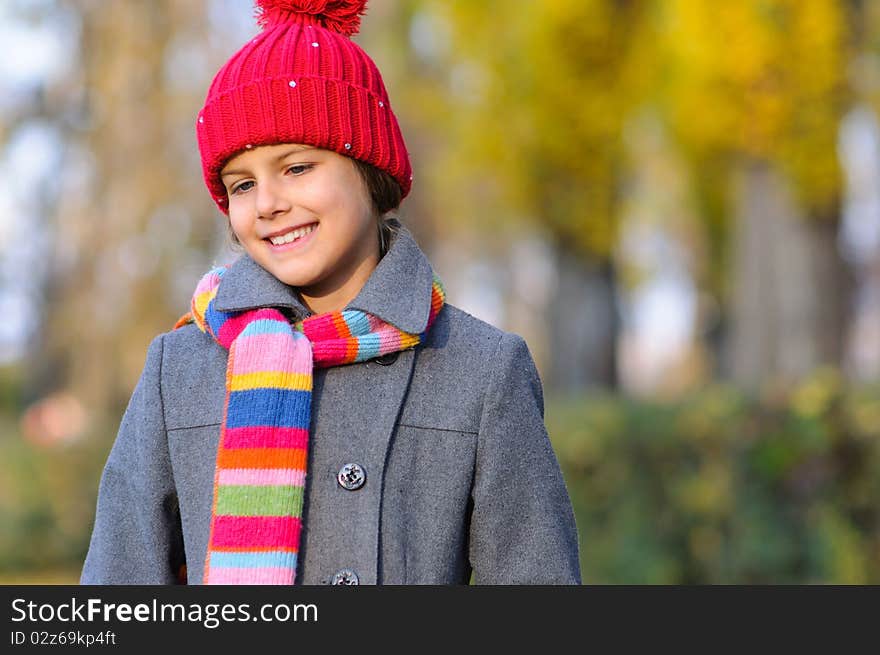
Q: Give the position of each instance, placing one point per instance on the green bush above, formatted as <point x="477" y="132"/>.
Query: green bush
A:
<point x="47" y="502"/>
<point x="722" y="488"/>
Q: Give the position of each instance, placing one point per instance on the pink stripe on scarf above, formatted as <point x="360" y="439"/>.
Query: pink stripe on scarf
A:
<point x="208" y="283"/>
<point x="262" y="477"/>
<point x="266" y="575"/>
<point x="254" y="532"/>
<point x="389" y="341"/>
<point x="272" y="352"/>
<point x="265" y="436"/>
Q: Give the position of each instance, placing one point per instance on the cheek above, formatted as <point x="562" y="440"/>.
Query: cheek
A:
<point x="358" y="205"/>
<point x="237" y="222"/>
<point x="346" y="190"/>
<point x="357" y="219"/>
<point x="348" y="210"/>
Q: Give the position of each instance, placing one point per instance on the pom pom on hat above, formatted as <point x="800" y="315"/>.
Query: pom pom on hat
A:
<point x="343" y="16"/>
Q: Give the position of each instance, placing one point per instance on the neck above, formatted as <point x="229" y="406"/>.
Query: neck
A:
<point x="333" y="296"/>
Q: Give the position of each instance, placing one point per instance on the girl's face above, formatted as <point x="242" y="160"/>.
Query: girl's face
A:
<point x="305" y="215"/>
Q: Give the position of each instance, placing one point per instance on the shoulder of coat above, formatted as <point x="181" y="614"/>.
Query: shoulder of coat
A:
<point x="461" y="320"/>
<point x="463" y="336"/>
<point x="186" y="339"/>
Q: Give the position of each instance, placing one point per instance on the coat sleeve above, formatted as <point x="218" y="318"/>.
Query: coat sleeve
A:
<point x="522" y="524"/>
<point x="136" y="537"/>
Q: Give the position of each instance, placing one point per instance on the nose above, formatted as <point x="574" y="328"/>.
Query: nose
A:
<point x="271" y="199"/>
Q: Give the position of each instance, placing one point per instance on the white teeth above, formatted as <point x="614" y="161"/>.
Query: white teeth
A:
<point x="292" y="236"/>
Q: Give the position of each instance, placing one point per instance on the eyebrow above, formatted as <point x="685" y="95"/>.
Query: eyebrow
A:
<point x="284" y="155"/>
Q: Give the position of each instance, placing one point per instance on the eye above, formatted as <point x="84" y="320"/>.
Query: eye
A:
<point x="299" y="169"/>
<point x="243" y="186"/>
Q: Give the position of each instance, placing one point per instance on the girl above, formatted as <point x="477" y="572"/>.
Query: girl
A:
<point x="327" y="349"/>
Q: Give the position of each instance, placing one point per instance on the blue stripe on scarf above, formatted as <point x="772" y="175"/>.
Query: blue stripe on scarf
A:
<point x="253" y="560"/>
<point x="289" y="408"/>
<point x="357" y="321"/>
<point x="368" y="347"/>
<point x="266" y="326"/>
<point x="215" y="319"/>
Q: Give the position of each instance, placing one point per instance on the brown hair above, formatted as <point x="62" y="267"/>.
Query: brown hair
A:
<point x="385" y="195"/>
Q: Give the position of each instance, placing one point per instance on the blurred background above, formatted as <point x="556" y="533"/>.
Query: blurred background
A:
<point x="675" y="202"/>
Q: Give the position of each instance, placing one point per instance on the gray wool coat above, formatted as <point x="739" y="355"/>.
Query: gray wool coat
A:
<point x="460" y="474"/>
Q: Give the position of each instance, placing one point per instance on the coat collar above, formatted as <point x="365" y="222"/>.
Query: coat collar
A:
<point x="398" y="291"/>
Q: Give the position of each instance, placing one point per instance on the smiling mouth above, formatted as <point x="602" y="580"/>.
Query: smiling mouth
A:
<point x="293" y="235"/>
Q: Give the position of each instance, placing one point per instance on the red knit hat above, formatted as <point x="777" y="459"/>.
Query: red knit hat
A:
<point x="301" y="80"/>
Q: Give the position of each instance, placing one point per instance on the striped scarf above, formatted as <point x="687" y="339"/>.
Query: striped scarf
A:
<point x="256" y="517"/>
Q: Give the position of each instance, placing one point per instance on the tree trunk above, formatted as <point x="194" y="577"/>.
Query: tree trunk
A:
<point x="790" y="293"/>
<point x="583" y="324"/>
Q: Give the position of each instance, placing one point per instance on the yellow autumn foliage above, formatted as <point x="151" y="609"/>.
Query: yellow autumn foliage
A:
<point x="761" y="79"/>
<point x="540" y="133"/>
<point x="538" y="98"/>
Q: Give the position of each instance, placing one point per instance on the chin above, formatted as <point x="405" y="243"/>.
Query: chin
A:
<point x="293" y="278"/>
<point x="286" y="274"/>
<point x="290" y="278"/>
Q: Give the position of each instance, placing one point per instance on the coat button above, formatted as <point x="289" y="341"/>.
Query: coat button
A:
<point x="387" y="359"/>
<point x="345" y="577"/>
<point x="351" y="476"/>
